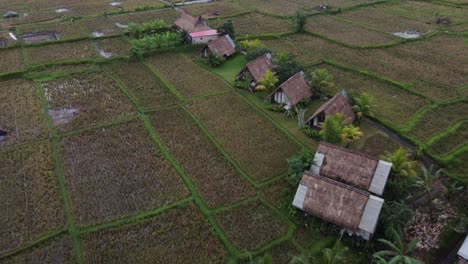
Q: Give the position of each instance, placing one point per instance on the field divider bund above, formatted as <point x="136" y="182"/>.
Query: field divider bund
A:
<point x="218" y="232"/>
<point x="447" y="132"/>
<point x="166" y="83"/>
<point x="73" y="232"/>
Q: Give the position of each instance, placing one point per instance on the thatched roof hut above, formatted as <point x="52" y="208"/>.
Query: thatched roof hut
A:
<point x="292" y="91"/>
<point x="257" y="67"/>
<point x="338" y="104"/>
<point x="190" y="23"/>
<point x="352" y="209"/>
<point x="351" y="167"/>
<point x="223" y="46"/>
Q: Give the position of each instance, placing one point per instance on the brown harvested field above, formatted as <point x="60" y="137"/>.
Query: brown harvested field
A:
<point x="5" y="37"/>
<point x="216" y="180"/>
<point x="185" y="76"/>
<point x="425" y="11"/>
<point x="407" y="62"/>
<point x="56" y="250"/>
<point x="61" y="52"/>
<point x="392" y="103"/>
<point x="63" y="69"/>
<point x="216" y="9"/>
<point x="438" y="120"/>
<point x="21" y="114"/>
<point x="251" y="140"/>
<point x="34" y="17"/>
<point x="375" y="17"/>
<point x="437" y="92"/>
<point x="275" y="193"/>
<point x="251" y="225"/>
<point x="11" y="60"/>
<point x="112" y="47"/>
<point x="143" y="85"/>
<point x="169" y="15"/>
<point x="31" y="204"/>
<point x="116" y="172"/>
<point x="135" y="4"/>
<point x="102" y="26"/>
<point x="452" y="141"/>
<point x="85" y="100"/>
<point x="88" y="8"/>
<point x="179" y="235"/>
<point x="68" y="30"/>
<point x="256" y="24"/>
<point x="344" y="31"/>
<point x="452" y="47"/>
<point x="278" y="46"/>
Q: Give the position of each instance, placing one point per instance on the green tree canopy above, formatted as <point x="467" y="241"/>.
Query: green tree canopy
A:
<point x="320" y="79"/>
<point x="332" y="128"/>
<point x="363" y="105"/>
<point x="227" y="28"/>
<point x="397" y="252"/>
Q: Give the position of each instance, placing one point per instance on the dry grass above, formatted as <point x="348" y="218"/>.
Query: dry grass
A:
<point x="116" y="172"/>
<point x="111" y="47"/>
<point x="252" y="225"/>
<point x="275" y="193"/>
<point x="61" y="52"/>
<point x="134" y="4"/>
<point x="56" y="250"/>
<point x="216" y="179"/>
<point x="178" y="236"/>
<point x="95" y="96"/>
<point x="148" y="90"/>
<point x="31" y="203"/>
<point x="11" y="60"/>
<point x="375" y="17"/>
<point x="62" y="69"/>
<point x="392" y="103"/>
<point x="281" y="46"/>
<point x="451" y="142"/>
<point x="439" y="120"/>
<point x="252" y="141"/>
<point x="216" y="9"/>
<point x="425" y="11"/>
<point x="347" y="32"/>
<point x="437" y="92"/>
<point x="256" y="24"/>
<point x="21" y="113"/>
<point x="185" y="76"/>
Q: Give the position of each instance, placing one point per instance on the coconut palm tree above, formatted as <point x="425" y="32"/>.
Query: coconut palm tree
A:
<point x="268" y="82"/>
<point x="398" y="251"/>
<point x="333" y="255"/>
<point x="403" y="167"/>
<point x="395" y="215"/>
<point x="350" y="133"/>
<point x="320" y="79"/>
<point x="428" y="179"/>
<point x="363" y="105"/>
<point x="332" y="128"/>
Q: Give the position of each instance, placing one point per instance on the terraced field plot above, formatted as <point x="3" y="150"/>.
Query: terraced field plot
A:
<point x="216" y="179"/>
<point x="169" y="237"/>
<point x="11" y="60"/>
<point x="64" y="31"/>
<point x="85" y="100"/>
<point x="216" y="9"/>
<point x="147" y="89"/>
<point x="21" y="114"/>
<point x="116" y="172"/>
<point x="278" y="46"/>
<point x="185" y="76"/>
<point x="256" y="24"/>
<point x="61" y="52"/>
<point x="242" y="132"/>
<point x="31" y="203"/>
<point x="452" y="141"/>
<point x="113" y="47"/>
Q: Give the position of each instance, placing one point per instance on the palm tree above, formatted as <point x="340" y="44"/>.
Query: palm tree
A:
<point x="363" y="105"/>
<point x="320" y="79"/>
<point x="350" y="133"/>
<point x="268" y="82"/>
<point x="334" y="255"/>
<point x="428" y="179"/>
<point x="398" y="251"/>
<point x="332" y="128"/>
<point x="402" y="167"/>
<point x="395" y="215"/>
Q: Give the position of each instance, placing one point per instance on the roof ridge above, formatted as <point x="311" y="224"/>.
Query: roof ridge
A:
<point x="349" y="151"/>
<point x="337" y="183"/>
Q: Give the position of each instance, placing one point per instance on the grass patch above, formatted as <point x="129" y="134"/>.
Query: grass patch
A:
<point x="278" y="46"/>
<point x="252" y="141"/>
<point x="85" y="100"/>
<point x="437" y="92"/>
<point x="217" y="181"/>
<point x="61" y="52"/>
<point x="116" y="172"/>
<point x="256" y="24"/>
<point x="425" y="11"/>
<point x="21" y="113"/>
<point x="175" y="236"/>
<point x="451" y="141"/>
<point x="251" y="225"/>
<point x="11" y="60"/>
<point x="147" y="89"/>
<point x="216" y="9"/>
<point x="186" y="76"/>
<point x="31" y="203"/>
<point x="229" y="70"/>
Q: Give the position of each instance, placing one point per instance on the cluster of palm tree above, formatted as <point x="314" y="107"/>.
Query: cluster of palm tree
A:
<point x="397" y="252"/>
<point x="334" y="130"/>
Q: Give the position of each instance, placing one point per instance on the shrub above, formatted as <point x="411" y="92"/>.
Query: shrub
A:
<point x="297" y="164"/>
<point x="286" y="66"/>
<point x="163" y="40"/>
<point x="153" y="27"/>
<point x="249" y="44"/>
<point x="312" y="133"/>
<point x="214" y="60"/>
<point x="255" y="53"/>
<point x="274" y="108"/>
<point x="300" y="20"/>
<point x="227" y="29"/>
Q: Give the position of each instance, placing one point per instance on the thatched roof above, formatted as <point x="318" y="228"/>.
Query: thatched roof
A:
<point x="190" y="23"/>
<point x="295" y="88"/>
<point x="222" y="46"/>
<point x="260" y="66"/>
<point x="332" y="201"/>
<point x="346" y="165"/>
<point x="338" y="104"/>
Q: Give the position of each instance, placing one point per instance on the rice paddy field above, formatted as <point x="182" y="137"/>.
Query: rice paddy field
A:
<point x="111" y="158"/>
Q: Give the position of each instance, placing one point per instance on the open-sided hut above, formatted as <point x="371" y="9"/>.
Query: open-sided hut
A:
<point x="351" y="167"/>
<point x="338" y="104"/>
<point x="354" y="210"/>
<point x="198" y="31"/>
<point x="223" y="46"/>
<point x="292" y="91"/>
